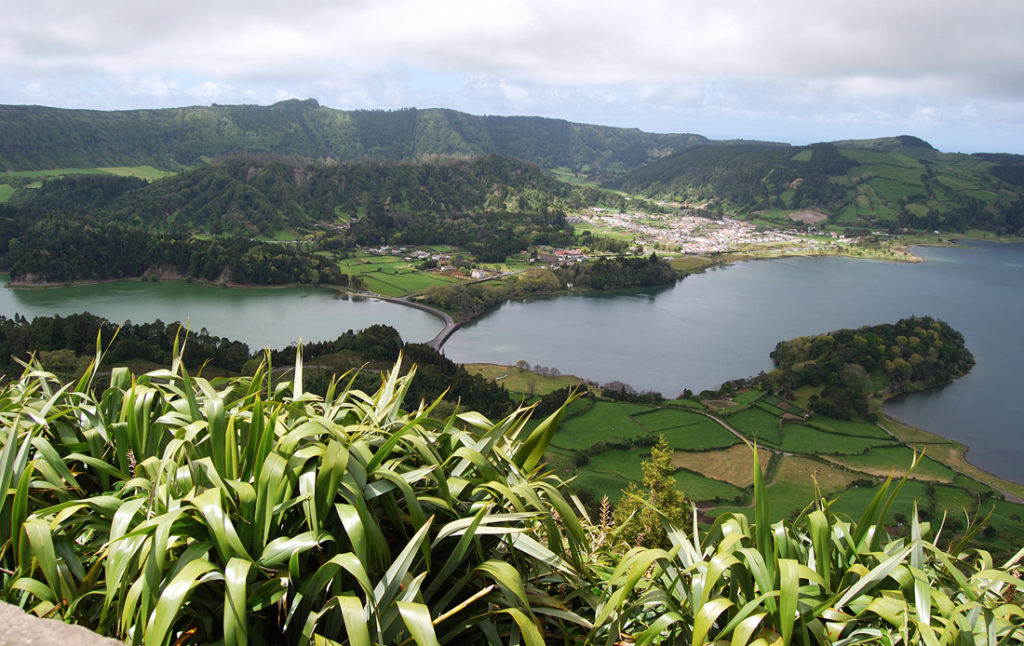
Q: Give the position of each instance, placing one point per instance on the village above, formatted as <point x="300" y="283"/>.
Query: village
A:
<point x="693" y="234"/>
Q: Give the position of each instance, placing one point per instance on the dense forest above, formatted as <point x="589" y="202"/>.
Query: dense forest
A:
<point x="66" y="344"/>
<point x="204" y="223"/>
<point x="39" y="248"/>
<point x="42" y="138"/>
<point x="853" y="365"/>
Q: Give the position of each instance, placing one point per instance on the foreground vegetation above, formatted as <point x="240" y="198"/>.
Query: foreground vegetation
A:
<point x="164" y="507"/>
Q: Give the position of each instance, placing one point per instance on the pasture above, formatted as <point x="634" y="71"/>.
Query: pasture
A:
<point x="881" y="461"/>
<point x="605" y="422"/>
<point x="734" y="465"/>
<point x="797" y="438"/>
<point x="757" y="424"/>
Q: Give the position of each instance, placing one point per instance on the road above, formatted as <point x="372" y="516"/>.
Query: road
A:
<point x="449" y="324"/>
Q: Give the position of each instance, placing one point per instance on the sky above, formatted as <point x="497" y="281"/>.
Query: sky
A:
<point x="797" y="71"/>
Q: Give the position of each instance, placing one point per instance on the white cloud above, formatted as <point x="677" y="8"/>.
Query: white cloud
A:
<point x="652" y="61"/>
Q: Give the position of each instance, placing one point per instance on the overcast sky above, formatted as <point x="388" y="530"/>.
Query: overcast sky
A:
<point x="784" y="70"/>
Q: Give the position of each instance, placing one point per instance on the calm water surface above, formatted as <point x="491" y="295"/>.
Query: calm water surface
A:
<point x="261" y="318"/>
<point x="695" y="334"/>
<point x="722" y="324"/>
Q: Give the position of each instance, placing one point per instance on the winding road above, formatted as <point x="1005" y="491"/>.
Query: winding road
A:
<point x="449" y="324"/>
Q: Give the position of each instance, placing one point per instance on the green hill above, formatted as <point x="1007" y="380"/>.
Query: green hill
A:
<point x="892" y="183"/>
<point x="35" y="137"/>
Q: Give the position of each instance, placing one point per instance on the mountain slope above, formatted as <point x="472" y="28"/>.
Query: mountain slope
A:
<point x="894" y="182"/>
<point x="36" y="137"/>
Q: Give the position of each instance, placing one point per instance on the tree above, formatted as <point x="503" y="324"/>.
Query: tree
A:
<point x="644" y="509"/>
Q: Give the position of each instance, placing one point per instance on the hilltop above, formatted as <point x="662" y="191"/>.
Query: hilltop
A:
<point x="37" y="137"/>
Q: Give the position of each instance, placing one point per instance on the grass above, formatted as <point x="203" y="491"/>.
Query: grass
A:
<point x="625" y="463"/>
<point x="756" y="424"/>
<point x="734" y="465"/>
<point x="806" y="471"/>
<point x="664" y="418"/>
<point x="852" y="427"/>
<point x="605" y="422"/>
<point x="951" y="453"/>
<point x="601" y="484"/>
<point x="521" y="381"/>
<point x="804" y="439"/>
<point x="704" y="436"/>
<point x="747" y="396"/>
<point x="6" y="191"/>
<point x="881" y="461"/>
<point x="144" y="172"/>
<point x="855" y="500"/>
<point x="700" y="488"/>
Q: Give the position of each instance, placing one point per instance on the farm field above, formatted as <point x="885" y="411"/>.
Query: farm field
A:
<point x="881" y="461"/>
<point x="143" y="172"/>
<point x="757" y="424"/>
<point x="734" y="465"/>
<point x="797" y="438"/>
<point x="605" y="422"/>
<point x="392" y="276"/>
<point x="522" y="381"/>
<point x="602" y="444"/>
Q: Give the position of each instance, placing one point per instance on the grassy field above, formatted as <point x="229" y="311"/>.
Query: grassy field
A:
<point x="704" y="436"/>
<point x="605" y="422"/>
<point x="521" y="381"/>
<point x="748" y="396"/>
<point x="797" y="438"/>
<point x="806" y="471"/>
<point x="881" y="461"/>
<point x="853" y="427"/>
<point x="6" y="191"/>
<point x="392" y="275"/>
<point x="699" y="488"/>
<point x="734" y="465"/>
<point x="756" y="424"/>
<point x="144" y="172"/>
<point x="663" y="418"/>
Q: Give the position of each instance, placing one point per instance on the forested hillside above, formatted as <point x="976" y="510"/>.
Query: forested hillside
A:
<point x="893" y="183"/>
<point x="35" y="137"/>
<point x="204" y="223"/>
<point x="848" y="367"/>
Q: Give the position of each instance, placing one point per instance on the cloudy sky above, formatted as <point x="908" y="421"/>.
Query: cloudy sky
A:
<point x="788" y="70"/>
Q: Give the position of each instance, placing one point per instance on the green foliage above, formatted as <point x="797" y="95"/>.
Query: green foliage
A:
<point x="166" y="506"/>
<point x="823" y="579"/>
<point x="169" y="508"/>
<point x="912" y="354"/>
<point x="645" y="509"/>
<point x="619" y="272"/>
<point x="72" y="339"/>
<point x="892" y="183"/>
<point x="175" y="137"/>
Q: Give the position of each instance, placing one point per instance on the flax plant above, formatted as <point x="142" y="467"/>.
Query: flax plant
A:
<point x="170" y="508"/>
<point x="821" y="579"/>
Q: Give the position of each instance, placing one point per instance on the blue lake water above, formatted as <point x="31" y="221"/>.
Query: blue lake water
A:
<point x="723" y="324"/>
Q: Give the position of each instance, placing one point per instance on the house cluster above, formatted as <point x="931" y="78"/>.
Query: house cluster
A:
<point x="691" y="233"/>
<point x="561" y="256"/>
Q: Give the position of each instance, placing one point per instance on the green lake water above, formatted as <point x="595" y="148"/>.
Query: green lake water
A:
<point x="261" y="318"/>
<point x="695" y="334"/>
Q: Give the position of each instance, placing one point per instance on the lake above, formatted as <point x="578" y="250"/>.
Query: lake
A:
<point x="695" y="334"/>
<point x="723" y="324"/>
<point x="261" y="318"/>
